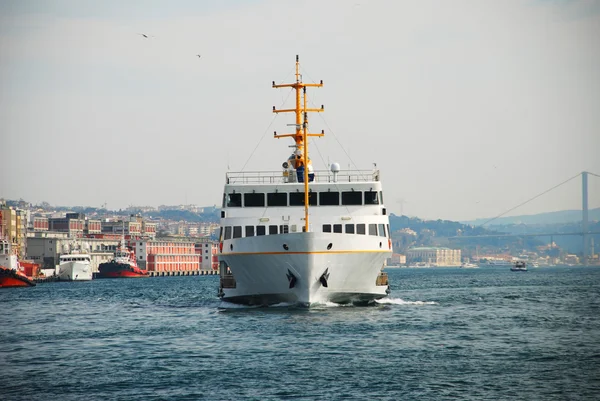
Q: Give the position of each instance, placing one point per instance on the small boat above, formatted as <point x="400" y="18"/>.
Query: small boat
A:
<point x="468" y="265"/>
<point x="499" y="262"/>
<point x="420" y="265"/>
<point x="11" y="272"/>
<point x="123" y="265"/>
<point x="75" y="267"/>
<point x="519" y="266"/>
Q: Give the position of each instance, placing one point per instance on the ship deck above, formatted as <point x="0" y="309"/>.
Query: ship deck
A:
<point x="321" y="176"/>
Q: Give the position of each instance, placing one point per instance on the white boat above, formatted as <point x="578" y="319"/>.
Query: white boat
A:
<point x="303" y="236"/>
<point x="468" y="265"/>
<point x="75" y="267"/>
<point x="420" y="265"/>
<point x="499" y="262"/>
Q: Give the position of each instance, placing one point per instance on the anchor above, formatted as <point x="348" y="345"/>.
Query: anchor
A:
<point x="291" y="278"/>
<point x="324" y="277"/>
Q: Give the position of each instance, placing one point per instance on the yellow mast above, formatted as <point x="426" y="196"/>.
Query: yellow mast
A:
<point x="301" y="135"/>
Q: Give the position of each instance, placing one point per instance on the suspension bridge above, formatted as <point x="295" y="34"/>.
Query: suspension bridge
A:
<point x="585" y="233"/>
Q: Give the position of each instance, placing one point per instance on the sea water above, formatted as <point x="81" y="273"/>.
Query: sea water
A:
<point x="468" y="334"/>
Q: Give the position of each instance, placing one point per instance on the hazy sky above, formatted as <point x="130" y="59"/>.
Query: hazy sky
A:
<point x="467" y="107"/>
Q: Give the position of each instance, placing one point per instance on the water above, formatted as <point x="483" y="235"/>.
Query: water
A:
<point x="474" y="334"/>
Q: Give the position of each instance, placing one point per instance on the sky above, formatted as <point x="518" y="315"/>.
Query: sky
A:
<point x="469" y="108"/>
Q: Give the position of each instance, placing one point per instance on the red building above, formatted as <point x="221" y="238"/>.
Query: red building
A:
<point x="40" y="223"/>
<point x="166" y="256"/>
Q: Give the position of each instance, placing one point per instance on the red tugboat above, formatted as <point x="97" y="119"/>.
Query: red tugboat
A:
<point x="122" y="265"/>
<point x="11" y="272"/>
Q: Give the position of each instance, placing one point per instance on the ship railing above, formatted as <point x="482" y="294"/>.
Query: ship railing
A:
<point x="382" y="279"/>
<point x="284" y="177"/>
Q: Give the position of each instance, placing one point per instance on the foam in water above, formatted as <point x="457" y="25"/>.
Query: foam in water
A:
<point x="229" y="305"/>
<point x="400" y="301"/>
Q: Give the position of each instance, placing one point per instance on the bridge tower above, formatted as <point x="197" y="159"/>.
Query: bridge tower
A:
<point x="584" y="220"/>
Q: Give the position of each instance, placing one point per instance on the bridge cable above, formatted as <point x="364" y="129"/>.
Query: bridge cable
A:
<point x="529" y="200"/>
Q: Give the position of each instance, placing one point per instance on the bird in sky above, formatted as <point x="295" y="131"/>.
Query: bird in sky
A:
<point x="145" y="36"/>
<point x="199" y="56"/>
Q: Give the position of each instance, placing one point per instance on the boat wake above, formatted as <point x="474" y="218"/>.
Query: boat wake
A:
<point x="400" y="301"/>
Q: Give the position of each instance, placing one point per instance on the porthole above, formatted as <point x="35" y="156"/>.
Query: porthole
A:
<point x="231" y="247"/>
<point x="380" y="244"/>
<point x="329" y="246"/>
<point x="286" y="247"/>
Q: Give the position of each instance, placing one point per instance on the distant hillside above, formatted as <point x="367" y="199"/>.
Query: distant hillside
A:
<point x="441" y="228"/>
<point x="560" y="217"/>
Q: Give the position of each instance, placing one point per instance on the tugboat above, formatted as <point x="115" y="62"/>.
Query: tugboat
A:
<point x="122" y="265"/>
<point x="273" y="250"/>
<point x="11" y="272"/>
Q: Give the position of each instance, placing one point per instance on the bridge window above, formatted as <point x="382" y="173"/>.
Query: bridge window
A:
<point x="260" y="230"/>
<point x="360" y="229"/>
<point x="234" y="200"/>
<point x="254" y="200"/>
<point x="326" y="228"/>
<point x="388" y="231"/>
<point x="277" y="199"/>
<point x="372" y="229"/>
<point x="381" y="197"/>
<point x="352" y="198"/>
<point x="382" y="230"/>
<point x="227" y="233"/>
<point x="272" y="230"/>
<point x="249" y="231"/>
<point x="284" y="229"/>
<point x="371" y="198"/>
<point x="329" y="198"/>
<point x="237" y="232"/>
<point x="297" y="199"/>
<point x="337" y="228"/>
<point x="349" y="228"/>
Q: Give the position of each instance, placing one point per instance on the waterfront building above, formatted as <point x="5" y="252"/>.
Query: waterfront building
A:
<point x="165" y="255"/>
<point x="436" y="256"/>
<point x="72" y="223"/>
<point x="13" y="227"/>
<point x="46" y="247"/>
<point x="207" y="250"/>
<point x="397" y="259"/>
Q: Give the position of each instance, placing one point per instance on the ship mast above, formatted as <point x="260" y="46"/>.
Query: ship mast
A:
<point x="301" y="135"/>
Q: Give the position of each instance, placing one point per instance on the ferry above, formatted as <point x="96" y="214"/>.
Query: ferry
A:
<point x="11" y="272"/>
<point x="75" y="267"/>
<point x="302" y="236"/>
<point x="519" y="266"/>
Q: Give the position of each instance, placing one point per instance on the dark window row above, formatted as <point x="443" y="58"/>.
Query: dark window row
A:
<point x="373" y="229"/>
<point x="251" y="231"/>
<point x="329" y="198"/>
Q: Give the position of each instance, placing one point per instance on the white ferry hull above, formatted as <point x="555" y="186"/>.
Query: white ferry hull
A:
<point x="350" y="269"/>
<point x="75" y="271"/>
